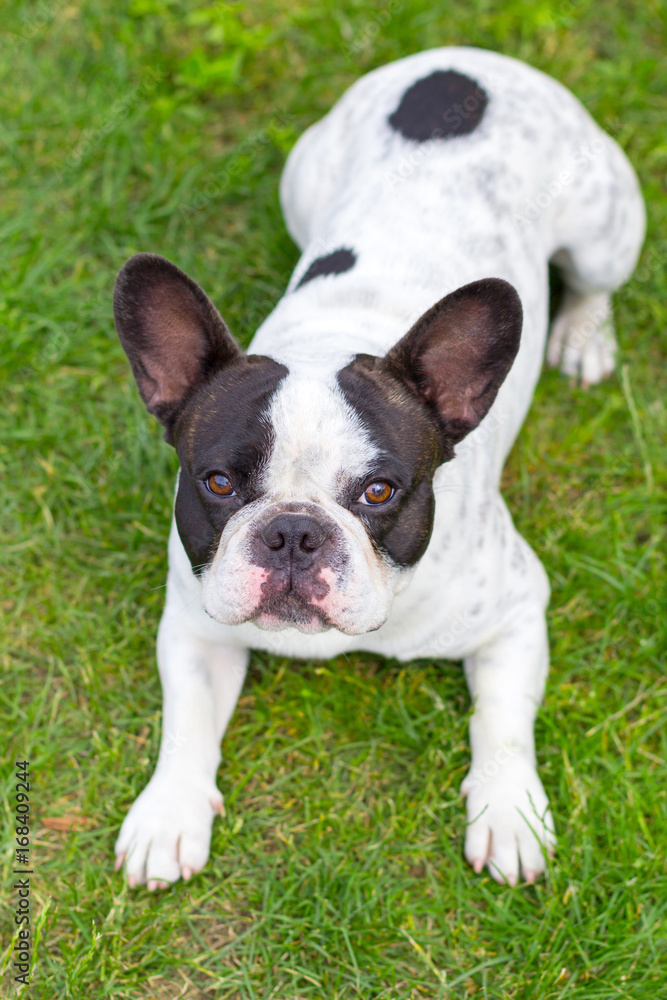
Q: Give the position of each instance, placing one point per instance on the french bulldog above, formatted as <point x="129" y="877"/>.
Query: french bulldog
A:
<point x="339" y="482"/>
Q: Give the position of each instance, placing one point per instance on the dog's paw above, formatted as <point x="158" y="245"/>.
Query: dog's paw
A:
<point x="166" y="834"/>
<point x="582" y="339"/>
<point x="510" y="828"/>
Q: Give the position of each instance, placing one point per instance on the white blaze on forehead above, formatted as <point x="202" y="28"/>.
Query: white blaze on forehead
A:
<point x="320" y="441"/>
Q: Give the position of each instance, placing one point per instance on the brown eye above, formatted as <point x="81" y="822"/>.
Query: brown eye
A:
<point x="377" y="493"/>
<point x="220" y="485"/>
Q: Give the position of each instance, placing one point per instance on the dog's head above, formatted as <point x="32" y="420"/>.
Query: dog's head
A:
<point x="306" y="495"/>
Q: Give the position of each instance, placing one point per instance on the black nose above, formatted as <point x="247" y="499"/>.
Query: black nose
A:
<point x="294" y="534"/>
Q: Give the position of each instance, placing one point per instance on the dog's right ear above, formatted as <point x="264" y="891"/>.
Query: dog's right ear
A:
<point x="170" y="330"/>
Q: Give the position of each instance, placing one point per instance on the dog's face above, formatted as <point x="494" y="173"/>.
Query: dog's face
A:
<point x="305" y="495"/>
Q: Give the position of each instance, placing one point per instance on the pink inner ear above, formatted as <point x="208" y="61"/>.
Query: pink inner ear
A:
<point x="458" y="353"/>
<point x="455" y="403"/>
<point x="453" y="366"/>
<point x="172" y="320"/>
<point x="170" y="330"/>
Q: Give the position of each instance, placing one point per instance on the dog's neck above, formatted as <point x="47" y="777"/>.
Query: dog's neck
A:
<point x="334" y="321"/>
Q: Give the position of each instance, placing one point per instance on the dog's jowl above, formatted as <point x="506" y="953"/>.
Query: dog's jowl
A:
<point x="339" y="483"/>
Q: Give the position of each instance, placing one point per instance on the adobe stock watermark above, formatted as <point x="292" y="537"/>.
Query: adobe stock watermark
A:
<point x="121" y="108"/>
<point x="36" y="21"/>
<point x="412" y="161"/>
<point x="654" y="261"/>
<point x="564" y="12"/>
<point x="477" y="777"/>
<point x="556" y="185"/>
<point x="240" y="159"/>
<point x="50" y="353"/>
<point x="137" y="438"/>
<point x="172" y="743"/>
<point x="23" y="866"/>
<point x="449" y="641"/>
<point x="482" y="436"/>
<point x="616" y="131"/>
<point x="364" y="38"/>
<point x="97" y="307"/>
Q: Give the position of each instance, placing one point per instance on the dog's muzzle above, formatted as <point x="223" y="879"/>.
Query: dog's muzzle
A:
<point x="293" y="548"/>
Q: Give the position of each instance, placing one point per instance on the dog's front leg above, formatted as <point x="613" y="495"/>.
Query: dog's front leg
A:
<point x="509" y="823"/>
<point x="167" y="832"/>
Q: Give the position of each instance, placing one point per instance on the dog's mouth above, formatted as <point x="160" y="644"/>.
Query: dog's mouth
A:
<point x="337" y="585"/>
<point x="290" y="610"/>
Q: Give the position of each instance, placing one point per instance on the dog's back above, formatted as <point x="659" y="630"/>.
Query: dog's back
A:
<point x="445" y="167"/>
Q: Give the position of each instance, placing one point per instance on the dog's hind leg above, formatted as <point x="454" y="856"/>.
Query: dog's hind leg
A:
<point x="600" y="226"/>
<point x="582" y="341"/>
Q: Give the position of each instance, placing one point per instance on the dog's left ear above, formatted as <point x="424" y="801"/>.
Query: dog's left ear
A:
<point x="458" y="354"/>
<point x="170" y="330"/>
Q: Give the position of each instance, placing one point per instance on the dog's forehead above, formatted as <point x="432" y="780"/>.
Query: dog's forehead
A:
<point x="320" y="443"/>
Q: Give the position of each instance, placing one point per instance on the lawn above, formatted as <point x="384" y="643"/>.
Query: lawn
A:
<point x="337" y="872"/>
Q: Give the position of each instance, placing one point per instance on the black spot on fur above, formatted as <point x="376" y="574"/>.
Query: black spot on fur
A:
<point x="443" y="105"/>
<point x="223" y="428"/>
<point x="431" y="389"/>
<point x="409" y="453"/>
<point x="333" y="263"/>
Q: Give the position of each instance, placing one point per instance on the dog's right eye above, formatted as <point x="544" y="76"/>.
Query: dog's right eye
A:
<point x="218" y="484"/>
<point x="377" y="493"/>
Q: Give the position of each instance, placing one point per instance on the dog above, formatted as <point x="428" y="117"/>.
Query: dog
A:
<point x="339" y="483"/>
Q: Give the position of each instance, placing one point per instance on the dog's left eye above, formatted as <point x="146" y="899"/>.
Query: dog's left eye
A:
<point x="220" y="485"/>
<point x="377" y="493"/>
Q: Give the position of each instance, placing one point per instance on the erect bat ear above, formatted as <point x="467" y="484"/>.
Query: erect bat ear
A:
<point x="171" y="332"/>
<point x="458" y="354"/>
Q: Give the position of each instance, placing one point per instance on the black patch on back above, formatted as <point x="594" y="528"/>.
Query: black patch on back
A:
<point x="223" y="429"/>
<point x="333" y="263"/>
<point x="443" y="105"/>
<point x="410" y="451"/>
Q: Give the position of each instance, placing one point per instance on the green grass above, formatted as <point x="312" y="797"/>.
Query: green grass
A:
<point x="338" y="871"/>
